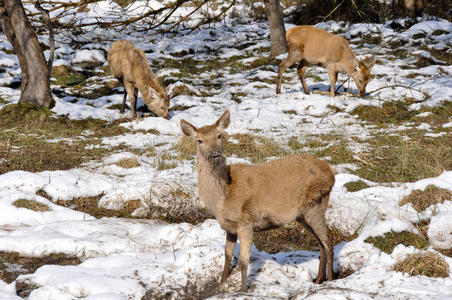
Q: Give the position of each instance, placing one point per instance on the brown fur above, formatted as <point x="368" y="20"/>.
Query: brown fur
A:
<point x="246" y="198"/>
<point x="131" y="67"/>
<point x="311" y="46"/>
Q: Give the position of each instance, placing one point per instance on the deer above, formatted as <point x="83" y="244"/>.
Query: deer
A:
<point x="312" y="46"/>
<point x="245" y="198"/>
<point x="130" y="66"/>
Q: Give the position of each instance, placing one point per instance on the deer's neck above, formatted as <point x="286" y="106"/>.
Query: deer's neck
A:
<point x="212" y="181"/>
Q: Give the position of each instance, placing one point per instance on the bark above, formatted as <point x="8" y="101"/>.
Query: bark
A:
<point x="278" y="42"/>
<point x="35" y="85"/>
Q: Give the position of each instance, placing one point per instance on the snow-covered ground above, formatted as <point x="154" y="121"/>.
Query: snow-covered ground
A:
<point x="131" y="258"/>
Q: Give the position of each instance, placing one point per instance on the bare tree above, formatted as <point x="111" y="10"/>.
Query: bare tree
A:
<point x="278" y="42"/>
<point x="35" y="85"/>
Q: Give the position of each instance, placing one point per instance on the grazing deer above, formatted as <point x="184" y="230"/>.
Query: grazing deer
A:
<point x="131" y="67"/>
<point x="246" y="198"/>
<point x="311" y="46"/>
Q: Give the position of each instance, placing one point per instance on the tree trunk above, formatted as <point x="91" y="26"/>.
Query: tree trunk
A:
<point x="35" y="85"/>
<point x="278" y="42"/>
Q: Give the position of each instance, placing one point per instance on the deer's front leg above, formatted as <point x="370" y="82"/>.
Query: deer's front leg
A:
<point x="231" y="241"/>
<point x="245" y="233"/>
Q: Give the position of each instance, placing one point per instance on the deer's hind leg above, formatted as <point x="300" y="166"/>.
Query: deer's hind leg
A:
<point x="314" y="221"/>
<point x="294" y="56"/>
<point x="301" y="70"/>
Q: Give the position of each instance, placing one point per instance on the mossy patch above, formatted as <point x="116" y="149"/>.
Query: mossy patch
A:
<point x="421" y="200"/>
<point x="354" y="186"/>
<point x="31" y="205"/>
<point x="391" y="239"/>
<point x="427" y="263"/>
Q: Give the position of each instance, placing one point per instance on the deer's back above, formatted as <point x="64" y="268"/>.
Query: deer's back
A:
<point x="278" y="190"/>
<point x="318" y="46"/>
<point x="128" y="62"/>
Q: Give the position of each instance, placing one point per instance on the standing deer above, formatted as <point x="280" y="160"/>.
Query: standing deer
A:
<point x="131" y="67"/>
<point x="311" y="46"/>
<point x="246" y="198"/>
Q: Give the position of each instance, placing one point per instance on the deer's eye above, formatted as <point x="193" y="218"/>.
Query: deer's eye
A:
<point x="219" y="136"/>
<point x="200" y="141"/>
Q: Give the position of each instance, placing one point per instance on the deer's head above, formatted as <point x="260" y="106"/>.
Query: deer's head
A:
<point x="361" y="75"/>
<point x="158" y="102"/>
<point x="209" y="139"/>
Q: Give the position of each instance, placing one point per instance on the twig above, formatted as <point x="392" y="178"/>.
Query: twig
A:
<point x="46" y="17"/>
<point x="331" y="12"/>
<point x="342" y="83"/>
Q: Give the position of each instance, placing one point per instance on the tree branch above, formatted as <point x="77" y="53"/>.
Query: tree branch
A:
<point x="46" y="17"/>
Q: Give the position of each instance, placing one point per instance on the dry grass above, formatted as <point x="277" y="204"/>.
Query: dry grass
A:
<point x="427" y="263"/>
<point x="32" y="205"/>
<point x="393" y="159"/>
<point x="421" y="200"/>
<point x="338" y="153"/>
<point x="252" y="147"/>
<point x="255" y="148"/>
<point x="128" y="163"/>
<point x="26" y="130"/>
<point x="390" y="112"/>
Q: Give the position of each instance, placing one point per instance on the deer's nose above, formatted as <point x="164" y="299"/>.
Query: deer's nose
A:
<point x="216" y="153"/>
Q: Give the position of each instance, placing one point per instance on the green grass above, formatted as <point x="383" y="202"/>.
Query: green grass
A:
<point x="391" y="239"/>
<point x="354" y="186"/>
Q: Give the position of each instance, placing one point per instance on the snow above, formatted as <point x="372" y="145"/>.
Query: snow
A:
<point x="127" y="258"/>
<point x="89" y="56"/>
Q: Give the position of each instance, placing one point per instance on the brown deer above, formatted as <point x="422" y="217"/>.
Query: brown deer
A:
<point x="246" y="198"/>
<point x="311" y="46"/>
<point x="130" y="66"/>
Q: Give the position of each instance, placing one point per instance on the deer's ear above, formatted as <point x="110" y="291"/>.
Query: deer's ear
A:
<point x="223" y="122"/>
<point x="187" y="128"/>
<point x="356" y="65"/>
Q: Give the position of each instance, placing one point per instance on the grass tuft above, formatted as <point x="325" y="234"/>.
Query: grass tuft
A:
<point x="128" y="163"/>
<point x="391" y="239"/>
<point x="32" y="205"/>
<point x="428" y="264"/>
<point x="421" y="200"/>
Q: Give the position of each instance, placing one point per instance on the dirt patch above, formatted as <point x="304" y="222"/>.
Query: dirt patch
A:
<point x="427" y="263"/>
<point x="292" y="237"/>
<point x="90" y="205"/>
<point x="12" y="264"/>
<point x="421" y="200"/>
